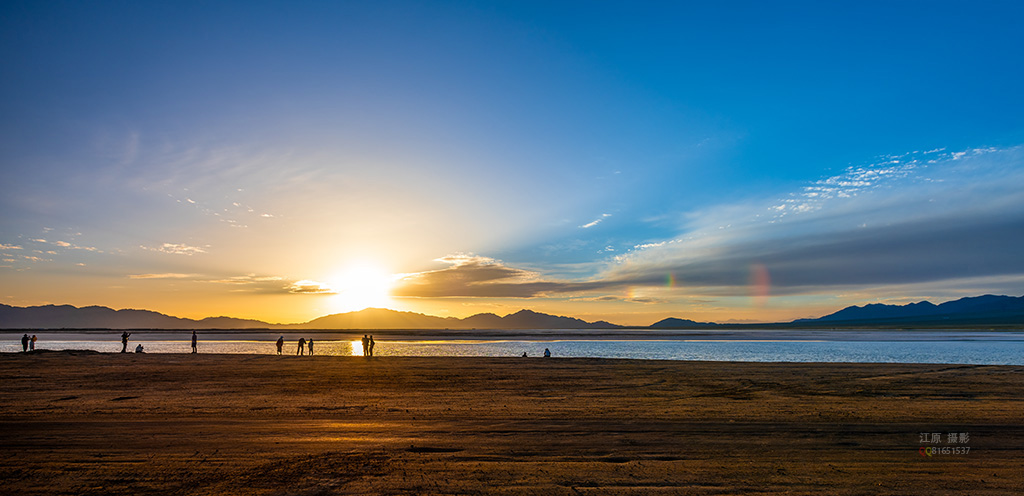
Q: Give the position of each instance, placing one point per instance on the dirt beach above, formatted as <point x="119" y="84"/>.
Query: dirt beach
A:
<point x="91" y="423"/>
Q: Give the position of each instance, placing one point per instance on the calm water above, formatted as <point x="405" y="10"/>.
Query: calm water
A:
<point x="1006" y="348"/>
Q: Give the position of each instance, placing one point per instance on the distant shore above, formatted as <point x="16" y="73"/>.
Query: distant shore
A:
<point x="107" y="423"/>
<point x="739" y="333"/>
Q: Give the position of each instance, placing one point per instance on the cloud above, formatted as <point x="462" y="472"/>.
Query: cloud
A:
<point x="306" y="286"/>
<point x="627" y="299"/>
<point x="176" y="249"/>
<point x="922" y="220"/>
<point x="249" y="283"/>
<point x="917" y="218"/>
<point x="468" y="275"/>
<point x="163" y="276"/>
<point x="252" y="283"/>
<point x="246" y="279"/>
<point x="72" y="246"/>
<point x="9" y="247"/>
<point x="595" y="221"/>
<point x="479" y="277"/>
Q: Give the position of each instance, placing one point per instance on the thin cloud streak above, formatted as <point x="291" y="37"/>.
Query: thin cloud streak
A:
<point x="595" y="221"/>
<point x="176" y="249"/>
<point x="168" y="275"/>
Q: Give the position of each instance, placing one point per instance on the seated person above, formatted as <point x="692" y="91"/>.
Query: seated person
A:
<point x="138" y="349"/>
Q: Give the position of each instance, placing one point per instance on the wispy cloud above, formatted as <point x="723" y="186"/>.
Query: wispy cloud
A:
<point x="306" y="286"/>
<point x="246" y="279"/>
<point x="72" y="246"/>
<point x="910" y="219"/>
<point x="176" y="249"/>
<point x="248" y="283"/>
<point x="595" y="221"/>
<point x="168" y="275"/>
<point x="627" y="299"/>
<point x="922" y="218"/>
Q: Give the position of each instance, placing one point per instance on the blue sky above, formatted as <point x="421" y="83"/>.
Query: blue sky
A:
<point x="204" y="158"/>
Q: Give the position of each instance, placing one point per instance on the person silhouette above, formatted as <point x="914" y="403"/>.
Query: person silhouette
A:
<point x="280" y="344"/>
<point x="302" y="347"/>
<point x="138" y="349"/>
<point x="366" y="345"/>
<point x="194" y="342"/>
<point x="372" y="342"/>
<point x="32" y="343"/>
<point x="124" y="341"/>
<point x="310" y="346"/>
<point x="547" y="353"/>
<point x="24" y="343"/>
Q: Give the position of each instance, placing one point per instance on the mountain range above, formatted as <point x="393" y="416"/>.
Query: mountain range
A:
<point x="978" y="310"/>
<point x="975" y="310"/>
<point x="969" y="311"/>
<point x="97" y="317"/>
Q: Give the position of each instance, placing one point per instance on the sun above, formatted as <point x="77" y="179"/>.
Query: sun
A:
<point x="360" y="286"/>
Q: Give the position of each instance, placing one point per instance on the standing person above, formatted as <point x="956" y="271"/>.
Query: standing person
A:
<point x="371" y="344"/>
<point x="310" y="346"/>
<point x="32" y="343"/>
<point x="302" y="347"/>
<point x="24" y="343"/>
<point x="124" y="341"/>
<point x="366" y="345"/>
<point x="194" y="342"/>
<point x="280" y="344"/>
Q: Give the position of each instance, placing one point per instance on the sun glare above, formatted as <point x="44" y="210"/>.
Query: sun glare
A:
<point x="361" y="286"/>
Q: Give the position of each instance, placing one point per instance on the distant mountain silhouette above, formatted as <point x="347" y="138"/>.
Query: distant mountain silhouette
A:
<point x="674" y="323"/>
<point x="380" y="318"/>
<point x="979" y="310"/>
<point x="96" y="317"/>
<point x="987" y="309"/>
<point x="528" y="319"/>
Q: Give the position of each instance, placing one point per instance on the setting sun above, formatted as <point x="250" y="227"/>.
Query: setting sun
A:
<point x="361" y="286"/>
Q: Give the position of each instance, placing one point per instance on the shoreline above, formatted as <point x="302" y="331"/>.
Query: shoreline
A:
<point x="798" y="334"/>
<point x="323" y="356"/>
<point x="107" y="423"/>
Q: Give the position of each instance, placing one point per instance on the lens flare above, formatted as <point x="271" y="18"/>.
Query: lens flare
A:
<point x="760" y="285"/>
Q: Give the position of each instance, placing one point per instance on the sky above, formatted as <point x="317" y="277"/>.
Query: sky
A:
<point x="620" y="161"/>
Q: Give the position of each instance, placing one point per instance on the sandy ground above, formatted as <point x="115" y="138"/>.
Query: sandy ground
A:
<point x="89" y="423"/>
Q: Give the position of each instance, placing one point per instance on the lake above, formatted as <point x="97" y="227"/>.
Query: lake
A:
<point x="862" y="346"/>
